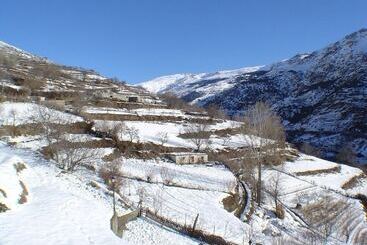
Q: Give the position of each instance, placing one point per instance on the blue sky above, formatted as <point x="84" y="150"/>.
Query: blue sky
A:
<point x="136" y="40"/>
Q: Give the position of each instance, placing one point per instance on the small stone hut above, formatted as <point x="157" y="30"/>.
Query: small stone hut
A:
<point x="188" y="157"/>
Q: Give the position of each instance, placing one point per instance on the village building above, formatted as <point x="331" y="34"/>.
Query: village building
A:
<point x="188" y="157"/>
<point x="127" y="96"/>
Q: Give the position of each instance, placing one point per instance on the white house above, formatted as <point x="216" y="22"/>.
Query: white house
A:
<point x="188" y="157"/>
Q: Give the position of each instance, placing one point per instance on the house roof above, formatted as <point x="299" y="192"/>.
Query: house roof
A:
<point x="187" y="154"/>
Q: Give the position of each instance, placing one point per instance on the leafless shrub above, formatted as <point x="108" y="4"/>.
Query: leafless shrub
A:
<point x="157" y="201"/>
<point x="174" y="102"/>
<point x="216" y="112"/>
<point x="230" y="185"/>
<point x="19" y="167"/>
<point x="323" y="214"/>
<point x="167" y="175"/>
<point x="3" y="208"/>
<point x="142" y="195"/>
<point x="198" y="135"/>
<point x="225" y="140"/>
<point x="111" y="174"/>
<point x="162" y="137"/>
<point x="279" y="211"/>
<point x="118" y="131"/>
<point x="312" y="237"/>
<point x="13" y="126"/>
<point x="275" y="187"/>
<point x="70" y="157"/>
<point x="133" y="134"/>
<point x="8" y="61"/>
<point x="150" y="175"/>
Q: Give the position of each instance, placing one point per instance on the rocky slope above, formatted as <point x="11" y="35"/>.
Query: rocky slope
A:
<point x="321" y="96"/>
<point x="23" y="74"/>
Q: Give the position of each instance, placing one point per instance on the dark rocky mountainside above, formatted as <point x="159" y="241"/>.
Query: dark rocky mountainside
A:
<point x="321" y="96"/>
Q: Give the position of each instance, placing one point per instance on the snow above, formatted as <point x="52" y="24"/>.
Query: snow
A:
<point x="158" y="112"/>
<point x="150" y="132"/>
<point x="300" y="190"/>
<point x="5" y="83"/>
<point x="10" y="181"/>
<point x="138" y="112"/>
<point x="182" y="205"/>
<point x="107" y="110"/>
<point x="214" y="178"/>
<point x="331" y="180"/>
<point x="62" y="209"/>
<point x="80" y="137"/>
<point x="161" y="84"/>
<point x="307" y="163"/>
<point x="17" y="113"/>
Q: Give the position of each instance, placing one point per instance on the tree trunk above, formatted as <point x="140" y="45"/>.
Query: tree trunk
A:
<point x="258" y="187"/>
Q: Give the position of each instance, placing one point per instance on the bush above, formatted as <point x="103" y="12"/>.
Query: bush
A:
<point x="19" y="167"/>
<point x="3" y="208"/>
<point x="111" y="174"/>
<point x="279" y="211"/>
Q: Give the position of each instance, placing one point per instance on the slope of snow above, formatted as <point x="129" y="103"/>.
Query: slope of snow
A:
<point x="62" y="209"/>
<point x="17" y="113"/>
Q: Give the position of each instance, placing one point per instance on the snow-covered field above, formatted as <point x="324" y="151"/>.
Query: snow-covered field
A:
<point x="181" y="205"/>
<point x="335" y="179"/>
<point x="17" y="113"/>
<point x="62" y="208"/>
<point x="215" y="178"/>
<point x="151" y="132"/>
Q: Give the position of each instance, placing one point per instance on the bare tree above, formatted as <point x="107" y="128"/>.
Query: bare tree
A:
<point x="157" y="201"/>
<point x="264" y="136"/>
<point x="66" y="154"/>
<point x="225" y="140"/>
<point x="275" y="189"/>
<point x="13" y="116"/>
<point x="70" y="156"/>
<point x="142" y="196"/>
<point x="215" y="112"/>
<point x="167" y="175"/>
<point x="132" y="133"/>
<point x="49" y="122"/>
<point x="111" y="173"/>
<point x="162" y="137"/>
<point x="198" y="134"/>
<point x="118" y="131"/>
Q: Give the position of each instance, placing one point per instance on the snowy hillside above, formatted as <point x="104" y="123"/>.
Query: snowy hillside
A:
<point x="58" y="207"/>
<point x="73" y="141"/>
<point x="321" y="96"/>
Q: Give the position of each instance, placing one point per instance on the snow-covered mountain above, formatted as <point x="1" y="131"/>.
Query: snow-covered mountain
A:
<point x="321" y="96"/>
<point x="204" y="84"/>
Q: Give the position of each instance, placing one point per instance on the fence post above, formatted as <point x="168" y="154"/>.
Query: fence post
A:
<point x="195" y="222"/>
